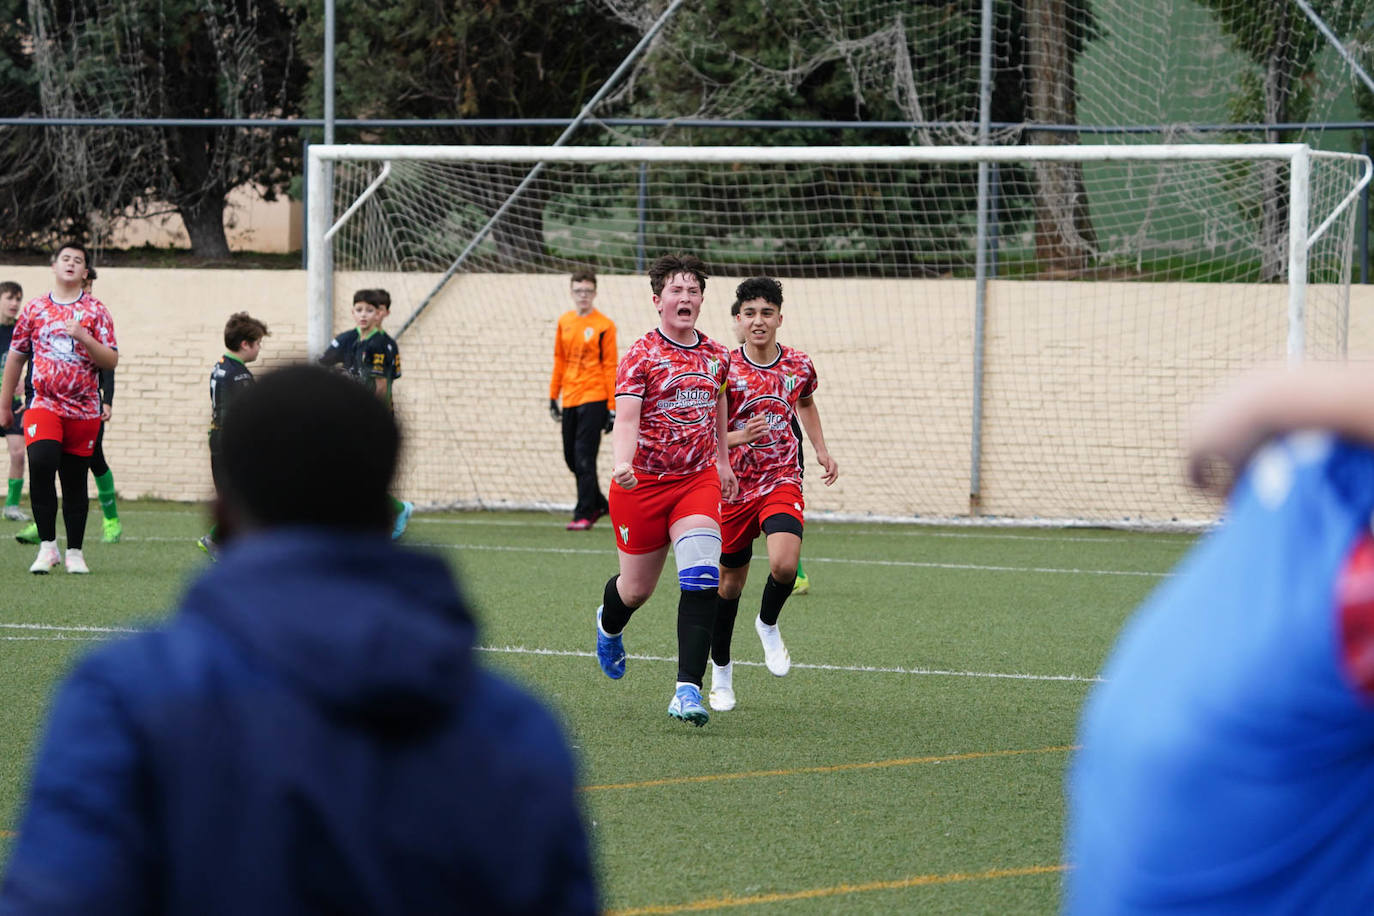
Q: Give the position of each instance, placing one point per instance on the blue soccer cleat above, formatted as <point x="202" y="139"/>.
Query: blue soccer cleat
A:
<point x="686" y="706"/>
<point x="610" y="652"/>
<point x="402" y="519"/>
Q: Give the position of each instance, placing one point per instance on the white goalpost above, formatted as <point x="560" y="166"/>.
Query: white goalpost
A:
<point x="1024" y="344"/>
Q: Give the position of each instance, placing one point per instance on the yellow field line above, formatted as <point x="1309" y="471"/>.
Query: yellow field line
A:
<point x="835" y="768"/>
<point x="716" y="903"/>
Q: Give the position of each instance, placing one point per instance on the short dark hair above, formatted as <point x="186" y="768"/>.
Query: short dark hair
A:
<point x="75" y="246"/>
<point x="377" y="298"/>
<point x="294" y="441"/>
<point x="243" y="328"/>
<point x="583" y="275"/>
<point x="10" y="288"/>
<point x="765" y="288"/>
<point x="734" y="309"/>
<point x="671" y="265"/>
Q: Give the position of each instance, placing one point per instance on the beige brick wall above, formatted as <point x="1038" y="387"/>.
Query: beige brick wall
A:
<point x="1087" y="386"/>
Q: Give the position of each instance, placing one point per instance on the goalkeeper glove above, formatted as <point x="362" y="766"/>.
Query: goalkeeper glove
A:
<point x="610" y="422"/>
<point x="553" y="409"/>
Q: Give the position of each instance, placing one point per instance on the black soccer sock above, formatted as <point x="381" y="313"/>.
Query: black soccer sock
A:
<point x="44" y="457"/>
<point x="696" y="614"/>
<point x="75" y="502"/>
<point x="723" y="633"/>
<point x="614" y="612"/>
<point x="775" y="595"/>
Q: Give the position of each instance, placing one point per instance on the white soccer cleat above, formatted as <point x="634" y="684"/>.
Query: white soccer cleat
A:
<point x="774" y="652"/>
<point x="76" y="563"/>
<point x="722" y="696"/>
<point x="15" y="514"/>
<point x="48" y="557"/>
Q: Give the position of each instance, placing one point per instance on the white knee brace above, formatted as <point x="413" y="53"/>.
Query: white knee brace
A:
<point x="697" y="554"/>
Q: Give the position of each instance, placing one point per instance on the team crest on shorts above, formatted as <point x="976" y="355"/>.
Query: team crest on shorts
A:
<point x="625" y="533"/>
<point x="33" y="429"/>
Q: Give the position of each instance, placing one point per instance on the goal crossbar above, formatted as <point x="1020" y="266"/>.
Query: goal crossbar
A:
<point x="790" y="154"/>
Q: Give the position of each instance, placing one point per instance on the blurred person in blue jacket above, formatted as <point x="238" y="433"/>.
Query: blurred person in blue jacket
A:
<point x="1227" y="761"/>
<point x="310" y="732"/>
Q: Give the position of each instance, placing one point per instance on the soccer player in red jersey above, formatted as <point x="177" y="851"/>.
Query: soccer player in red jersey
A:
<point x="70" y="337"/>
<point x="770" y="387"/>
<point x="670" y="472"/>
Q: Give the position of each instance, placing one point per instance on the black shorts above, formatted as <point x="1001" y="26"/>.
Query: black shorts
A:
<point x="17" y="427"/>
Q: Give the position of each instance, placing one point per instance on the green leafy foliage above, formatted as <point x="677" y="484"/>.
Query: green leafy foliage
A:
<point x="148" y="59"/>
<point x="467" y="59"/>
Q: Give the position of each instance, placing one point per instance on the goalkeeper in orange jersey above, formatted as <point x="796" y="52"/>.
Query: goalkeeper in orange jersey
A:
<point x="584" y="361"/>
<point x="770" y="387"/>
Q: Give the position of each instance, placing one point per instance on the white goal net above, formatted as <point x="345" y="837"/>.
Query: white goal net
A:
<point x="1033" y="358"/>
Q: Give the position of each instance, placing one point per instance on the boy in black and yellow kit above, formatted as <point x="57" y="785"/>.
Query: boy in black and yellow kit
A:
<point x="369" y="355"/>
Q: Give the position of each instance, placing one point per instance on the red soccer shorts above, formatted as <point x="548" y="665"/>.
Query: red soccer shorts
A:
<point x="77" y="436"/>
<point x="641" y="517"/>
<point x="740" y="523"/>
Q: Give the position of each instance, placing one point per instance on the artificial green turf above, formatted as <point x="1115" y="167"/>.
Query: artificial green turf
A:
<point x="897" y="768"/>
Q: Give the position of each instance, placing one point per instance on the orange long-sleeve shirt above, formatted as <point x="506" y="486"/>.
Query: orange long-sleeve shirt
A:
<point x="584" y="359"/>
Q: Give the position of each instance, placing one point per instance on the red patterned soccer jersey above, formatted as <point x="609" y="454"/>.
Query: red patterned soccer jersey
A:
<point x="678" y="387"/>
<point x="65" y="380"/>
<point x="773" y="390"/>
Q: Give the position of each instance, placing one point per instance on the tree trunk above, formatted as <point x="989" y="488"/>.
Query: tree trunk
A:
<point x="1064" y="237"/>
<point x="197" y="188"/>
<point x="204" y="221"/>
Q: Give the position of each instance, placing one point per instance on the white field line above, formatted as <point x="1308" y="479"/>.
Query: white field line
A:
<point x="906" y="564"/>
<point x="46" y="631"/>
<point x="551" y="521"/>
<point x="865" y="669"/>
<point x="910" y="564"/>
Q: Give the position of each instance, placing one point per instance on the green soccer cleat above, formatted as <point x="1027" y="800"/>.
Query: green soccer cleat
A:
<point x="402" y="519"/>
<point x="113" y="530"/>
<point x="28" y="534"/>
<point x="802" y="586"/>
<point x="208" y="546"/>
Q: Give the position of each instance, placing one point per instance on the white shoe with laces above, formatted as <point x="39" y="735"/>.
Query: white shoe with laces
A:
<point x="774" y="652"/>
<point x="722" y="697"/>
<point x="76" y="563"/>
<point x="48" y="557"/>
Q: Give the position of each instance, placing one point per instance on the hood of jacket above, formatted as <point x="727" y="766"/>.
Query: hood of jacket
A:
<point x="369" y="630"/>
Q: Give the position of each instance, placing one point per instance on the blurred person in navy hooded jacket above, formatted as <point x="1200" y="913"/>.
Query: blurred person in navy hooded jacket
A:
<point x="310" y="732"/>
